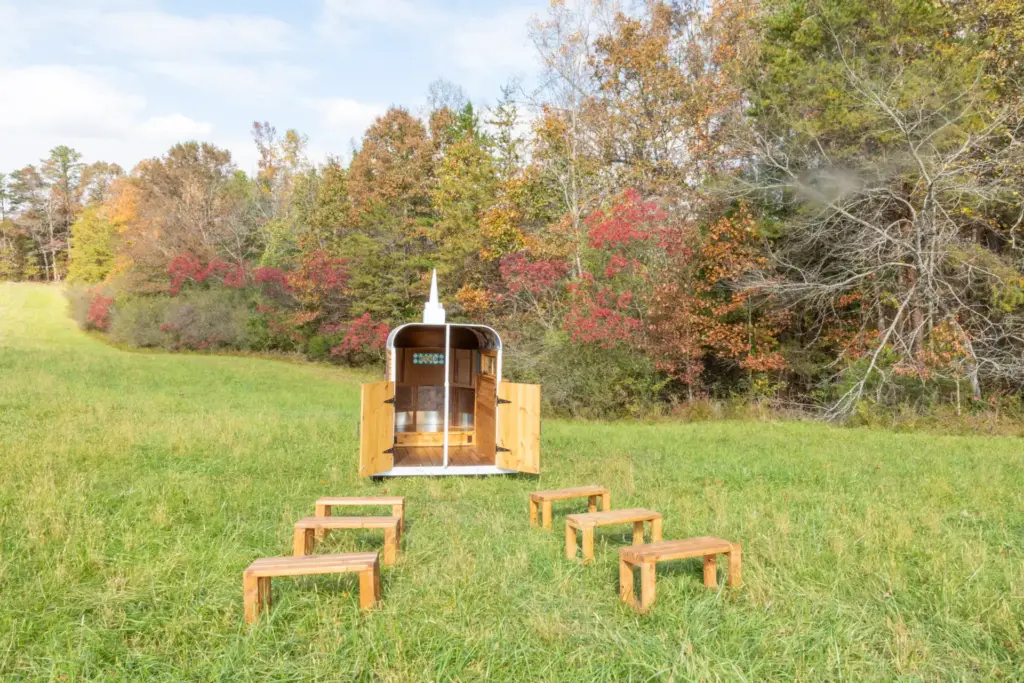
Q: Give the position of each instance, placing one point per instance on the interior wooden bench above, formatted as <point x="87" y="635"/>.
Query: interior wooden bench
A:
<point x="543" y="499"/>
<point x="589" y="521"/>
<point x="306" y="528"/>
<point x="647" y="556"/>
<point x="397" y="503"/>
<point x="256" y="579"/>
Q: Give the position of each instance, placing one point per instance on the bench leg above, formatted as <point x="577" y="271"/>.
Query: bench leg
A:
<point x="322" y="511"/>
<point x="264" y="589"/>
<point x="735" y="566"/>
<point x="255" y="596"/>
<point x="710" y="571"/>
<point x="302" y="544"/>
<point x="547" y="515"/>
<point x="588" y="544"/>
<point x="592" y="504"/>
<point x="656" y="530"/>
<point x="398" y="510"/>
<point x="606" y="501"/>
<point x="570" y="542"/>
<point x="646" y="586"/>
<point x="626" y="583"/>
<point x="638" y="533"/>
<point x="250" y="597"/>
<point x="390" y="546"/>
<point x="369" y="587"/>
<point x="533" y="512"/>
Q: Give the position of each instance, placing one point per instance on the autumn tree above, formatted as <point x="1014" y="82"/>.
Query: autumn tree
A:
<point x="668" y="88"/>
<point x="326" y="210"/>
<point x="62" y="171"/>
<point x="506" y="143"/>
<point x="93" y="247"/>
<point x="97" y="180"/>
<point x="879" y="148"/>
<point x="465" y="188"/>
<point x="5" y="196"/>
<point x="37" y="215"/>
<point x="189" y="201"/>
<point x="16" y="249"/>
<point x="564" y="145"/>
<point x="389" y="183"/>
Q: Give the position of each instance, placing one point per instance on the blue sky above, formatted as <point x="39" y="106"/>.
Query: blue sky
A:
<point x="122" y="80"/>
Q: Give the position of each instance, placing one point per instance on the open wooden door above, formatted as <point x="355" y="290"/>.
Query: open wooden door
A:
<point x="519" y="427"/>
<point x="377" y="428"/>
<point x="486" y="416"/>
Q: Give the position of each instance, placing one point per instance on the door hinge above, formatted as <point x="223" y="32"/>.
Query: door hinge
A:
<point x="391" y="400"/>
<point x="390" y="450"/>
<point x="502" y="449"/>
<point x="502" y="400"/>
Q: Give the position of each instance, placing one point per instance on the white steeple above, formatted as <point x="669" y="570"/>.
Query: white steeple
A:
<point x="433" y="311"/>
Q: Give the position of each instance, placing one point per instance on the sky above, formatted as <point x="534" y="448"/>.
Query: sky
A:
<point x="123" y="80"/>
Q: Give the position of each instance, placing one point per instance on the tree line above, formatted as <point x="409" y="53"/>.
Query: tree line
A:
<point x="816" y="202"/>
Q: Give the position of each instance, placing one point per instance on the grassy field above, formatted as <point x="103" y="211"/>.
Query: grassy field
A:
<point x="135" y="488"/>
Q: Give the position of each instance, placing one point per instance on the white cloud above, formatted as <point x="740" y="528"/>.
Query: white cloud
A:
<point x="124" y="79"/>
<point x="103" y="111"/>
<point x="84" y="109"/>
<point x="494" y="43"/>
<point x="61" y="100"/>
<point x="271" y="80"/>
<point x="344" y="120"/>
<point x="384" y="11"/>
<point x="13" y="33"/>
<point x="137" y="28"/>
<point x="173" y="128"/>
<point x="163" y="34"/>
<point x="477" y="43"/>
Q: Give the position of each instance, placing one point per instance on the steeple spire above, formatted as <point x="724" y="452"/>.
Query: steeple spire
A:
<point x="433" y="311"/>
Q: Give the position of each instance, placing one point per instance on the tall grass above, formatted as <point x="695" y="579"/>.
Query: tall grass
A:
<point x="136" y="487"/>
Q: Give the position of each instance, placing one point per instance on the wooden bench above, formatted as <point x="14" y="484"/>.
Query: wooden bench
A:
<point x="256" y="579"/>
<point x="589" y="521"/>
<point x="325" y="504"/>
<point x="647" y="556"/>
<point x="544" y="498"/>
<point x="306" y="528"/>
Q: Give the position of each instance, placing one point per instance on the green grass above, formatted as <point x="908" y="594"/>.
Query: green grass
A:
<point x="135" y="488"/>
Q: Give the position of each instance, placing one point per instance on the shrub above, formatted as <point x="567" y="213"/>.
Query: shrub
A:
<point x="211" y="319"/>
<point x="319" y="347"/>
<point x="78" y="304"/>
<point x="362" y="343"/>
<point x="586" y="380"/>
<point x="269" y="329"/>
<point x="136" y="321"/>
<point x="91" y="308"/>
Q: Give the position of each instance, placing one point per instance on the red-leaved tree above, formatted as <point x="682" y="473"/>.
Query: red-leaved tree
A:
<point x="699" y="314"/>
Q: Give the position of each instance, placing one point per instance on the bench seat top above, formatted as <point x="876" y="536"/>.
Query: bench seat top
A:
<point x="588" y="519"/>
<point x="313" y="564"/>
<point x="676" y="550"/>
<point x="561" y="494"/>
<point x="348" y="522"/>
<point x="361" y="500"/>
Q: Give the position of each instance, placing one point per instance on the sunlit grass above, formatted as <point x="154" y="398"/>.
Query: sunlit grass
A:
<point x="135" y="488"/>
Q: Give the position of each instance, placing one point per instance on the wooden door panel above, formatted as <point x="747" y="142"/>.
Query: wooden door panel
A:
<point x="519" y="427"/>
<point x="376" y="428"/>
<point x="484" y="421"/>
